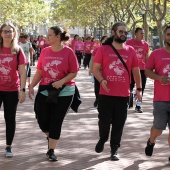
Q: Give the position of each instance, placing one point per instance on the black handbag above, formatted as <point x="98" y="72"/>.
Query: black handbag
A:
<point x="124" y="64"/>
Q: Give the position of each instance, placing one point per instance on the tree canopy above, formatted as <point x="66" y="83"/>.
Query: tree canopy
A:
<point x="87" y="13"/>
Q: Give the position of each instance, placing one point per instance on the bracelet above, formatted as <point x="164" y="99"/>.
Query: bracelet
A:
<point x="139" y="89"/>
<point x="101" y="81"/>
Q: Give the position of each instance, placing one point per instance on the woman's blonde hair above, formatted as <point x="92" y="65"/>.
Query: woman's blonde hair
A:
<point x="14" y="42"/>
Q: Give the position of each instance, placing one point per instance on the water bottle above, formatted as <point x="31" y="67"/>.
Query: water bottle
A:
<point x="92" y="78"/>
<point x="135" y="96"/>
<point x="138" y="103"/>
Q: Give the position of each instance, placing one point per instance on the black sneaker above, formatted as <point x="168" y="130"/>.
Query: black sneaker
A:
<point x="138" y="109"/>
<point x="8" y="152"/>
<point x="100" y="146"/>
<point x="169" y="160"/>
<point x="114" y="156"/>
<point x="51" y="156"/>
<point x="149" y="148"/>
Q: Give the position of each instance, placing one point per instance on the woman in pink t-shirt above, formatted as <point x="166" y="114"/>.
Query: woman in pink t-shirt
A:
<point x="88" y="47"/>
<point x="74" y="41"/>
<point x="78" y="48"/>
<point x="12" y="86"/>
<point x="56" y="69"/>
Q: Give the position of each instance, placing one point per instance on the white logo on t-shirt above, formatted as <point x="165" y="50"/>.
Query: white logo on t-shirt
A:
<point x="167" y="69"/>
<point x="5" y="68"/>
<point x="52" y="68"/>
<point x="117" y="67"/>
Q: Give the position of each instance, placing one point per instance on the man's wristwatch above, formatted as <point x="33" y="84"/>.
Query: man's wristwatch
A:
<point x="139" y="89"/>
<point x="23" y="89"/>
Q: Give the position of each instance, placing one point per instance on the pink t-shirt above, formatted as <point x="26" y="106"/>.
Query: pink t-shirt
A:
<point x="88" y="47"/>
<point x="79" y="45"/>
<point x="159" y="61"/>
<point x="73" y="43"/>
<point x="142" y="48"/>
<point x="113" y="71"/>
<point x="95" y="45"/>
<point x="94" y="51"/>
<point x="42" y="43"/>
<point x="56" y="65"/>
<point x="9" y="77"/>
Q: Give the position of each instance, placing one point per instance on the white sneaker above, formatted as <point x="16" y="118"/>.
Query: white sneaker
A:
<point x="8" y="152"/>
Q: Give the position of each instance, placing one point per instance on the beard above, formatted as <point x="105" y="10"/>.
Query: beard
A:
<point x="167" y="43"/>
<point x="118" y="39"/>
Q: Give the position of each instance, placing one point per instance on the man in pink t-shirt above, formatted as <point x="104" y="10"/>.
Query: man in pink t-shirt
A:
<point x="114" y="82"/>
<point x="142" y="49"/>
<point x="158" y="69"/>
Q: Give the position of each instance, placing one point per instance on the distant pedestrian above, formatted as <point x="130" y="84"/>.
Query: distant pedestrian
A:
<point x="96" y="83"/>
<point x="72" y="44"/>
<point x="12" y="84"/>
<point x="158" y="69"/>
<point x="28" y="51"/>
<point x="56" y="69"/>
<point x="88" y="47"/>
<point x="78" y="48"/>
<point x="142" y="49"/>
<point x="112" y="71"/>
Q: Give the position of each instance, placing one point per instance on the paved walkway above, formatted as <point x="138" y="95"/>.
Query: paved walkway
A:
<point x="75" y="149"/>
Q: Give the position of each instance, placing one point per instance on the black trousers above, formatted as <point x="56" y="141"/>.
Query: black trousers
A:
<point x="10" y="102"/>
<point x="112" y="112"/>
<point x="50" y="116"/>
<point x="96" y="88"/>
<point x="79" y="56"/>
<point x="143" y="78"/>
<point x="87" y="59"/>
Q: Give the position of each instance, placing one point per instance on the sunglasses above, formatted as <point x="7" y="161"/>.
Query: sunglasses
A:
<point x="168" y="34"/>
<point x="123" y="32"/>
<point x="7" y="31"/>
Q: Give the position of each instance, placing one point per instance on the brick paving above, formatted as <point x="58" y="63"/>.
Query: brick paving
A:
<point x="75" y="149"/>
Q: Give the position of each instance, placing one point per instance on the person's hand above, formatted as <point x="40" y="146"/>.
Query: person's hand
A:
<point x="21" y="96"/>
<point x="164" y="80"/>
<point x="104" y="85"/>
<point x="57" y="84"/>
<point x="30" y="92"/>
<point x="139" y="95"/>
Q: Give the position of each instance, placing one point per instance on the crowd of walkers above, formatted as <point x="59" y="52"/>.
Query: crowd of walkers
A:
<point x="117" y="64"/>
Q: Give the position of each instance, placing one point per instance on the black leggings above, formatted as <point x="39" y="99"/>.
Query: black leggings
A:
<point x="10" y="102"/>
<point x="50" y="116"/>
<point x="143" y="79"/>
<point x="112" y="111"/>
<point x="96" y="88"/>
<point x="87" y="59"/>
<point x="79" y="56"/>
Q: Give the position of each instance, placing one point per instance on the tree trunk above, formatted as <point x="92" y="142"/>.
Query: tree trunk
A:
<point x="160" y="34"/>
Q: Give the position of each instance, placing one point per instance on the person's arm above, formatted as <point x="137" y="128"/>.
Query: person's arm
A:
<point x="137" y="78"/>
<point x="97" y="74"/>
<point x="152" y="75"/>
<point x="31" y="50"/>
<point x="23" y="77"/>
<point x="37" y="77"/>
<point x="146" y="58"/>
<point x="91" y="65"/>
<point x="64" y="80"/>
